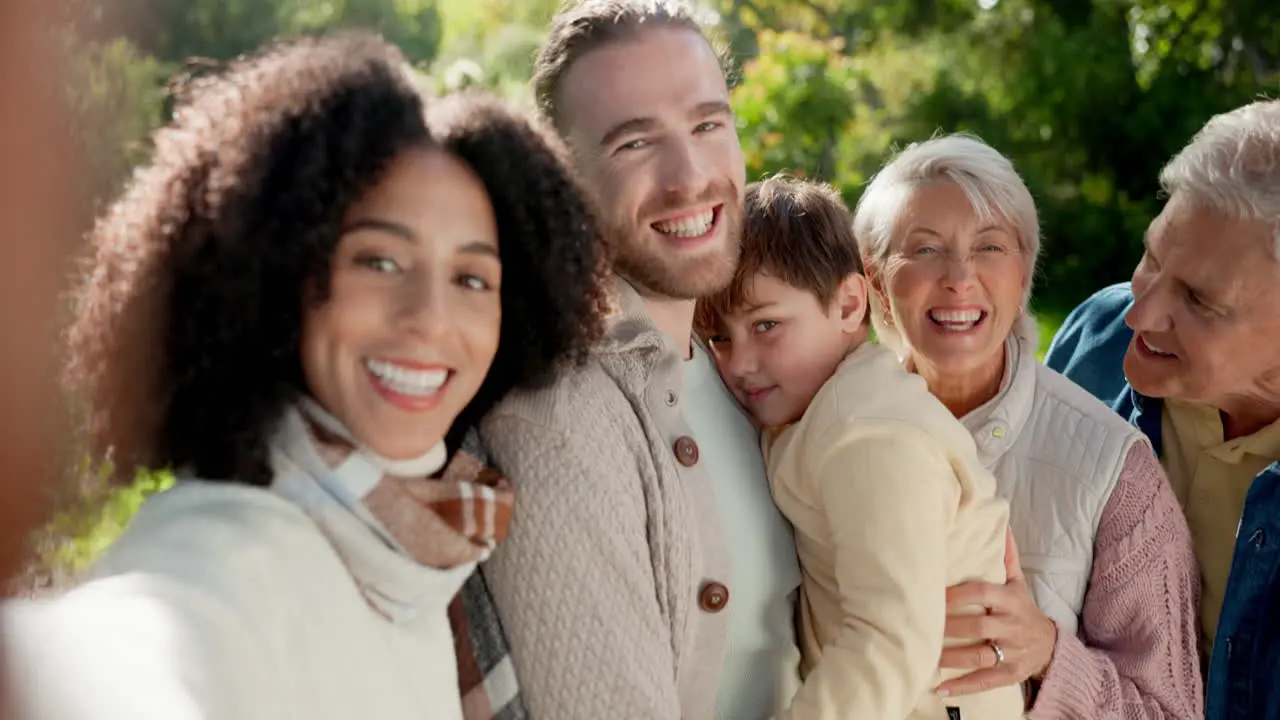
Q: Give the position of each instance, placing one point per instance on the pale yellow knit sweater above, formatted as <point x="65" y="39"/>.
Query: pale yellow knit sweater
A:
<point x="891" y="507"/>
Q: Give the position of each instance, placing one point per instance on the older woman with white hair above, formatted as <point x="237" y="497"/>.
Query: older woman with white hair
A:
<point x="1098" y="617"/>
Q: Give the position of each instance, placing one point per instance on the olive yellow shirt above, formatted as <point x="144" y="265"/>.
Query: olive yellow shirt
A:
<point x="1211" y="477"/>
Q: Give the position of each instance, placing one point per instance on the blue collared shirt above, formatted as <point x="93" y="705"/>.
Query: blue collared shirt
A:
<point x="1244" y="667"/>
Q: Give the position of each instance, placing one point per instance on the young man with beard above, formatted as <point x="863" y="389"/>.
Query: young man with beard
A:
<point x="647" y="573"/>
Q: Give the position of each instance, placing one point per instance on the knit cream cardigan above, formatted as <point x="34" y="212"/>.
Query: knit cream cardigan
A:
<point x="612" y="539"/>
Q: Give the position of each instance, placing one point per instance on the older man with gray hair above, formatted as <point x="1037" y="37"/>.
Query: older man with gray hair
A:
<point x="1189" y="351"/>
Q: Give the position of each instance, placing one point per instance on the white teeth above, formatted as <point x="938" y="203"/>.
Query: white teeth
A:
<point x="406" y="381"/>
<point x="956" y="316"/>
<point x="956" y="319"/>
<point x="1155" y="349"/>
<point x="692" y="226"/>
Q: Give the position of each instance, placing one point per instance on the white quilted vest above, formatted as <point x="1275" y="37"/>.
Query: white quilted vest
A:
<point x="1056" y="452"/>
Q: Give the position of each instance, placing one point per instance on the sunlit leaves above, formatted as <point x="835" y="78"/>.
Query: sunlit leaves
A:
<point x="1088" y="97"/>
<point x="794" y="105"/>
<point x="1183" y="31"/>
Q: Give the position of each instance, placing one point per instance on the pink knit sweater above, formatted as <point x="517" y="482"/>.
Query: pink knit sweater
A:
<point x="1136" y="656"/>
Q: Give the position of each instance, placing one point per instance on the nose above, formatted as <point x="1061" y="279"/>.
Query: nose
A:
<point x="684" y="170"/>
<point x="742" y="361"/>
<point x="422" y="306"/>
<point x="959" y="274"/>
<point x="1150" y="309"/>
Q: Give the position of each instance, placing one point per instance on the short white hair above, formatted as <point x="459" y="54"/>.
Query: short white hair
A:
<point x="988" y="180"/>
<point x="1233" y="165"/>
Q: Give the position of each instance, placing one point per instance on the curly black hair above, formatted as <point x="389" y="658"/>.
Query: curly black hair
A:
<point x="551" y="279"/>
<point x="185" y="344"/>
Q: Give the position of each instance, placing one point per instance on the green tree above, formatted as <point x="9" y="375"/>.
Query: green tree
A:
<point x="176" y="30"/>
<point x="794" y="105"/>
<point x="859" y="23"/>
<point x="491" y="43"/>
<point x="1089" y="98"/>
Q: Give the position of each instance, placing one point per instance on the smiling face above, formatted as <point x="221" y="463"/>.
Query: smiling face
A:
<point x="1205" y="320"/>
<point x="649" y="123"/>
<point x="953" y="281"/>
<point x="776" y="351"/>
<point x="412" y="320"/>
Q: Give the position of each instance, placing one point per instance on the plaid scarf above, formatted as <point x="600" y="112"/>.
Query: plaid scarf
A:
<point x="455" y="517"/>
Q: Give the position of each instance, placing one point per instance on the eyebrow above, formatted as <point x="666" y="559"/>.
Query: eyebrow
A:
<point x="628" y="127"/>
<point x="751" y="308"/>
<point x="1209" y="297"/>
<point x="395" y="229"/>
<point x="380" y="225"/>
<point x="709" y="108"/>
<point x="643" y="124"/>
<point x="480" y="247"/>
<point x="922" y="229"/>
<point x="993" y="227"/>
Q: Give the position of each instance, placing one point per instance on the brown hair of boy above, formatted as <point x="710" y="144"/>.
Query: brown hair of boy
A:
<point x="798" y="231"/>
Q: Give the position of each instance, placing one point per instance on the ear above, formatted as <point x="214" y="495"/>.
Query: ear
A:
<point x="875" y="281"/>
<point x="851" y="301"/>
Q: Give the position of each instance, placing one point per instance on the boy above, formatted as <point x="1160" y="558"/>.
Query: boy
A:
<point x="890" y="503"/>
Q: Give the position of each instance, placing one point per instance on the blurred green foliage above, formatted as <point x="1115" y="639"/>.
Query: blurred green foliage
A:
<point x="1088" y="97"/>
<point x="86" y="528"/>
<point x="86" y="523"/>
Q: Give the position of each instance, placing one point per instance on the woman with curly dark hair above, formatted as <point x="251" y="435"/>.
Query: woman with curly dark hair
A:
<point x="301" y="306"/>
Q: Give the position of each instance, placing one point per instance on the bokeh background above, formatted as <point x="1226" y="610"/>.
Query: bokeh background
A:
<point x="1089" y="98"/>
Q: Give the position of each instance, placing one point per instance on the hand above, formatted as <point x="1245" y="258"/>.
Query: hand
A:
<point x="1025" y="635"/>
